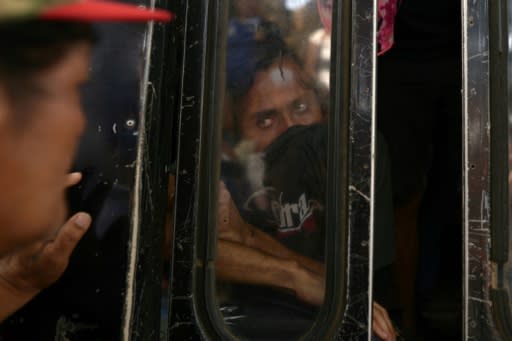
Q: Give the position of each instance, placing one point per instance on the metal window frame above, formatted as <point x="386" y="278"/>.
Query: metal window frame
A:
<point x="483" y="178"/>
<point x="143" y="304"/>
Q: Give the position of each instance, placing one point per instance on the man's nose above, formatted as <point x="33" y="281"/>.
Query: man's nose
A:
<point x="288" y="120"/>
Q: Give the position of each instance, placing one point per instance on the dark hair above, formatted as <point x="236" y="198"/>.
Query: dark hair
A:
<point x="29" y="47"/>
<point x="252" y="48"/>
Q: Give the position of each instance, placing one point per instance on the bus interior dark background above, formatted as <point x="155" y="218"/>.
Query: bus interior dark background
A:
<point x="419" y="104"/>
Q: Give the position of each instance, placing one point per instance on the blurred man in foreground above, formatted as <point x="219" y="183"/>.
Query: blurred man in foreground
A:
<point x="44" y="62"/>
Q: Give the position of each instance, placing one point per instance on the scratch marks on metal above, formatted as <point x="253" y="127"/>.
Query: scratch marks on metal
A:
<point x="354" y="189"/>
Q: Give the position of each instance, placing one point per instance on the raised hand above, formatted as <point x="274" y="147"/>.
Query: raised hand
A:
<point x="27" y="271"/>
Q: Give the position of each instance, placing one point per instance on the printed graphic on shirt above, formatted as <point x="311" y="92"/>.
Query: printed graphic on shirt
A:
<point x="288" y="217"/>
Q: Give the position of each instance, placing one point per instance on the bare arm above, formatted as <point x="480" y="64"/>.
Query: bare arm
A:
<point x="233" y="228"/>
<point x="246" y="254"/>
<point x="238" y="263"/>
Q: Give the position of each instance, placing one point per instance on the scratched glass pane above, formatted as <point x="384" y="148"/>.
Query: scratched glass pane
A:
<point x="87" y="302"/>
<point x="271" y="235"/>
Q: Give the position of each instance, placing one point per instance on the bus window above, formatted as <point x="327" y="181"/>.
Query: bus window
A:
<point x="88" y="301"/>
<point x="273" y="178"/>
<point x="271" y="198"/>
<point x="275" y="191"/>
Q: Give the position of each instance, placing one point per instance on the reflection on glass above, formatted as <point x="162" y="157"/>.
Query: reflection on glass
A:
<point x="271" y="235"/>
<point x="87" y="302"/>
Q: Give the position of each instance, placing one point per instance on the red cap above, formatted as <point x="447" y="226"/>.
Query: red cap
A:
<point x="99" y="10"/>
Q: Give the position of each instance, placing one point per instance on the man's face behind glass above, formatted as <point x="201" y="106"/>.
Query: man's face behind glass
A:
<point x="278" y="100"/>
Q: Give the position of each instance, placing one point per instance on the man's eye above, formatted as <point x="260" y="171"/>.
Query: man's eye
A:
<point x="301" y="107"/>
<point x="264" y="122"/>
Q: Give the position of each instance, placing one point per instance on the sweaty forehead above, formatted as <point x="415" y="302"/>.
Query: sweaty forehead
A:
<point x="273" y="88"/>
<point x="281" y="76"/>
<point x="276" y="80"/>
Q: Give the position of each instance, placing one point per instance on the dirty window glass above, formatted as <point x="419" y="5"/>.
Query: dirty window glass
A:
<point x="271" y="236"/>
<point x="87" y="302"/>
